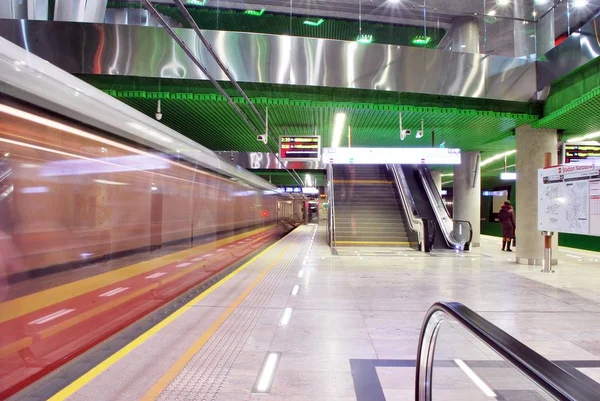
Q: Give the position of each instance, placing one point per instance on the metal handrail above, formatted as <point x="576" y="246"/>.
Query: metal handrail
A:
<point x="415" y="222"/>
<point x="445" y="222"/>
<point x="549" y="376"/>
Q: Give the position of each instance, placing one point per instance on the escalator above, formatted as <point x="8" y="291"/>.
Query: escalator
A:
<point x="462" y="356"/>
<point x="430" y="206"/>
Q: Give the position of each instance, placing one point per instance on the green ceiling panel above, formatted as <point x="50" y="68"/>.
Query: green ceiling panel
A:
<point x="577" y="117"/>
<point x="574" y="102"/>
<point x="209" y="120"/>
<point x="280" y="24"/>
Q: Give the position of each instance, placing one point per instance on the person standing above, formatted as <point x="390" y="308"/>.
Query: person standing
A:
<point x="509" y="223"/>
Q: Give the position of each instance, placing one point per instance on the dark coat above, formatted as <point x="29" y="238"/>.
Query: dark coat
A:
<point x="508" y="220"/>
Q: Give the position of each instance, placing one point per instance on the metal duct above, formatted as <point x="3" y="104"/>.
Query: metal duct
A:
<point x="149" y="52"/>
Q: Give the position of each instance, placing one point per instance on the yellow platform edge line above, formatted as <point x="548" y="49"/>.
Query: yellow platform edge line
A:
<point x="117" y="356"/>
<point x="189" y="354"/>
<point x="30" y="303"/>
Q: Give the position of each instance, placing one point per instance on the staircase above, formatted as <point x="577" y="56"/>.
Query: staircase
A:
<point x="367" y="211"/>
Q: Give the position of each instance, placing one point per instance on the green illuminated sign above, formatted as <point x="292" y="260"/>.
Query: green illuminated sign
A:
<point x="255" y="13"/>
<point x="314" y="23"/>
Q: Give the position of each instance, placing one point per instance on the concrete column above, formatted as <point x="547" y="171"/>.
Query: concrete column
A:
<point x="437" y="178"/>
<point x="465" y="34"/>
<point x="532" y="145"/>
<point x="467" y="193"/>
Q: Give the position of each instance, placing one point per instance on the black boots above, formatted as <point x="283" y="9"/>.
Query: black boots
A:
<point x="506" y="246"/>
<point x="503" y="245"/>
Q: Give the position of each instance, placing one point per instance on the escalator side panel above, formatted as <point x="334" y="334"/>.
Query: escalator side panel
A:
<point x="422" y="202"/>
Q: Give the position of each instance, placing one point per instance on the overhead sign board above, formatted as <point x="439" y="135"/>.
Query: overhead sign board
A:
<point x="391" y="156"/>
<point x="585" y="152"/>
<point x="300" y="147"/>
<point x="569" y="199"/>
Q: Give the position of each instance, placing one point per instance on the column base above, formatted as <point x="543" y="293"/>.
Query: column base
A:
<point x="534" y="262"/>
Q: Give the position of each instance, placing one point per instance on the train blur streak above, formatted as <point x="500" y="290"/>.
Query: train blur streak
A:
<point x="96" y="232"/>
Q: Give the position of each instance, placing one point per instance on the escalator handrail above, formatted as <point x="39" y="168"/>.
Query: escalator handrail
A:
<point x="442" y="216"/>
<point x="468" y="223"/>
<point x="415" y="222"/>
<point x="549" y="376"/>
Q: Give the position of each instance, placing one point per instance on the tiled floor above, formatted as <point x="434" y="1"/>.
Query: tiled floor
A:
<point x="356" y="321"/>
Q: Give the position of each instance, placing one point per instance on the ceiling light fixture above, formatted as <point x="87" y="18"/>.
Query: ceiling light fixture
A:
<point x="365" y="39"/>
<point x="421" y="40"/>
<point x="492" y="13"/>
<point x="579" y="3"/>
<point x="585" y="137"/>
<point x="502" y="2"/>
<point x="338" y="128"/>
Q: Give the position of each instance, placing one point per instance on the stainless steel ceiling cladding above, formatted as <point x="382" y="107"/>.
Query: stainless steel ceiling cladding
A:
<point x="150" y="52"/>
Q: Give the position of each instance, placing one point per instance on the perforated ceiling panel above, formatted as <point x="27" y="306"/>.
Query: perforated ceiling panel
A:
<point x="209" y="120"/>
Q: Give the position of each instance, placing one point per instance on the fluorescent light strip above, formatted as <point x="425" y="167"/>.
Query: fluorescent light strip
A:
<point x="338" y="127"/>
<point x="295" y="290"/>
<point x="286" y="317"/>
<point x="476" y="379"/>
<point x="497" y="157"/>
<point x="267" y="373"/>
<point x="300" y="273"/>
<point x="52" y="316"/>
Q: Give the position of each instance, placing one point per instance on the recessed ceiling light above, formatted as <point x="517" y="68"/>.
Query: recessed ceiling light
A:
<point x="502" y="2"/>
<point x="580" y="3"/>
<point x="492" y="13"/>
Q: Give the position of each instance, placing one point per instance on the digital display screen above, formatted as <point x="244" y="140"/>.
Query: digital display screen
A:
<point x="300" y="147"/>
<point x="581" y="153"/>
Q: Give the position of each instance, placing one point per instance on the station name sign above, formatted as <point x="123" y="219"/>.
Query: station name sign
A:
<point x="300" y="147"/>
<point x="391" y="156"/>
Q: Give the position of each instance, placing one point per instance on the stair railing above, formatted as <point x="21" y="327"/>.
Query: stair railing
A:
<point x="416" y="223"/>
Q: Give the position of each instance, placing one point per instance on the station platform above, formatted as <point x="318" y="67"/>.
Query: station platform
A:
<point x="346" y="327"/>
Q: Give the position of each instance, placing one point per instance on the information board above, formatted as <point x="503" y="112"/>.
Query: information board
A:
<point x="586" y="153"/>
<point x="569" y="199"/>
<point x="300" y="147"/>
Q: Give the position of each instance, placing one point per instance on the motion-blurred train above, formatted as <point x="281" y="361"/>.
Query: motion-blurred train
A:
<point x="83" y="175"/>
